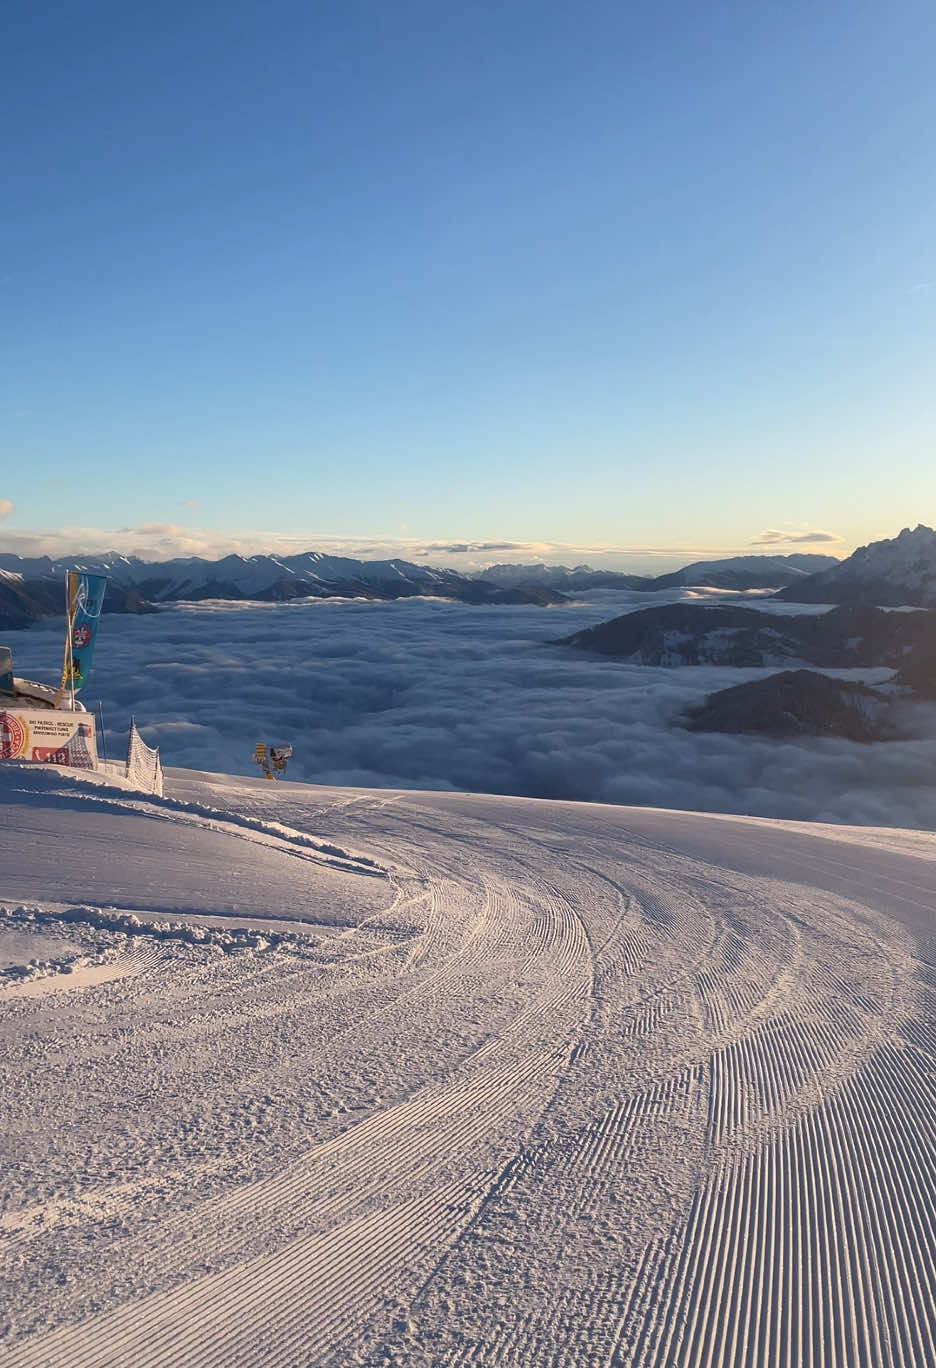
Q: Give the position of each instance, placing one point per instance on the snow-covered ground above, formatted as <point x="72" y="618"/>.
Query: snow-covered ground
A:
<point x="301" y="1076"/>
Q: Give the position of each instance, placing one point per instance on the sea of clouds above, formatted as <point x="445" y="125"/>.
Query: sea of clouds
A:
<point x="429" y="694"/>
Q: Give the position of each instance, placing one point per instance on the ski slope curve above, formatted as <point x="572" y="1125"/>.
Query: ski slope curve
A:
<point x="300" y="1076"/>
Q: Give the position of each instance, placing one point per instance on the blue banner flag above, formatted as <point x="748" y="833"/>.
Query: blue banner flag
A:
<point x="85" y="601"/>
<point x="6" y="671"/>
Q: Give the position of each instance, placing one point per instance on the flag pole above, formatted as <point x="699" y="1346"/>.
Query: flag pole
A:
<point x="100" y="708"/>
<point x="69" y="623"/>
<point x="71" y="659"/>
<point x="67" y="671"/>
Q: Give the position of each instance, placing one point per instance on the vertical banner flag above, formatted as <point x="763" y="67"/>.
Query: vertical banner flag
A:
<point x="6" y="671"/>
<point x="85" y="598"/>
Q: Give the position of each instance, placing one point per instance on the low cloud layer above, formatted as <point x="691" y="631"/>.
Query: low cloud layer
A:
<point x="422" y="694"/>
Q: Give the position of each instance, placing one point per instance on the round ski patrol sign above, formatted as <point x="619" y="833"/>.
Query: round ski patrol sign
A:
<point x="12" y="736"/>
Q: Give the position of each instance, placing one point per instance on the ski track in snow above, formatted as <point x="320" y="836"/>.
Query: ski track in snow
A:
<point x="561" y="1085"/>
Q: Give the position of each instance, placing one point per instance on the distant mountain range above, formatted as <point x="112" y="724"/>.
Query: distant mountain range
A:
<point x="29" y="587"/>
<point x="32" y="588"/>
<point x="897" y="572"/>
<point x="737" y="572"/>
<point x="893" y="573"/>
<point x="278" y="578"/>
<point x="314" y="575"/>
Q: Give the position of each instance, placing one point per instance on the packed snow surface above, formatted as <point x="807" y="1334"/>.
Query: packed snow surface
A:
<point x="298" y="1076"/>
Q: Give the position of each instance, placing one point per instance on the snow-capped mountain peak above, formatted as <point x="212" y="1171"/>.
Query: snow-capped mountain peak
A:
<point x="894" y="572"/>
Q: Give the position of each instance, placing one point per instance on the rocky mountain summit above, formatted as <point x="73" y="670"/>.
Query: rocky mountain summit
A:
<point x="900" y="572"/>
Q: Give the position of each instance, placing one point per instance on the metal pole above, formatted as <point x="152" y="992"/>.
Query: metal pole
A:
<point x="100" y="708"/>
<point x="66" y="668"/>
<point x="73" y="607"/>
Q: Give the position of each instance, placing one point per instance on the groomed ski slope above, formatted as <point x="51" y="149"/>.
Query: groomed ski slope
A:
<point x="325" y="1077"/>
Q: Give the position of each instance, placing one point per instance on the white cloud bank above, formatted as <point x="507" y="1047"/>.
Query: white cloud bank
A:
<point x="422" y="694"/>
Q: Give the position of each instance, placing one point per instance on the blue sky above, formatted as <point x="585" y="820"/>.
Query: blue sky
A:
<point x="604" y="275"/>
